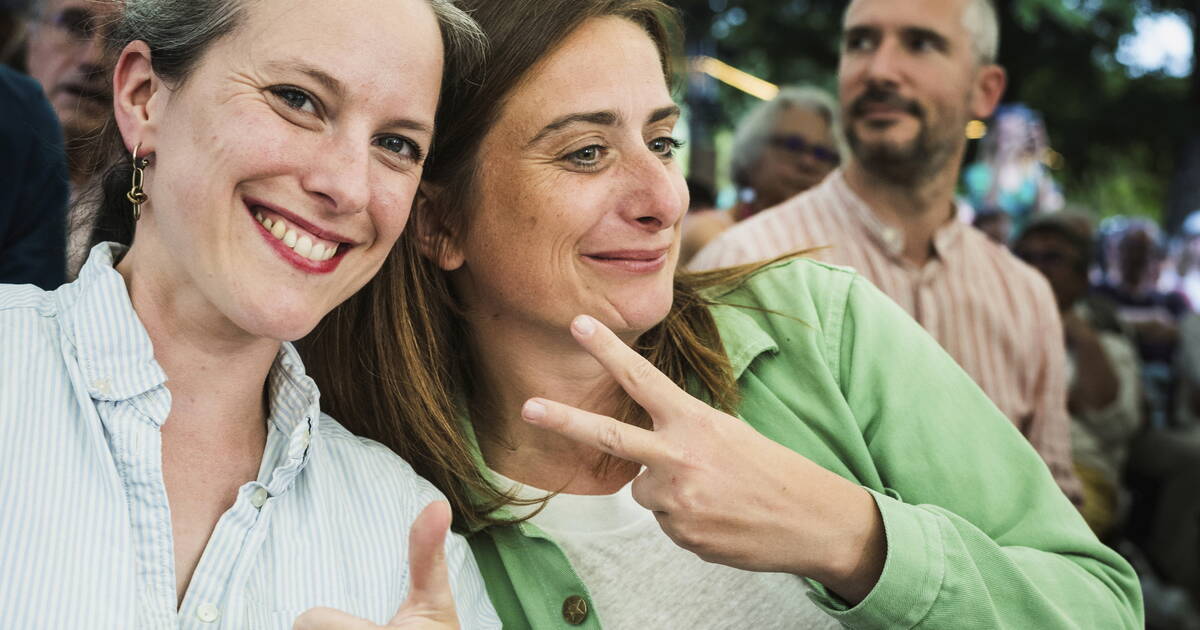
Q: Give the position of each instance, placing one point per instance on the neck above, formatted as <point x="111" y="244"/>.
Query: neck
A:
<point x="216" y="372"/>
<point x="918" y="209"/>
<point x="515" y="362"/>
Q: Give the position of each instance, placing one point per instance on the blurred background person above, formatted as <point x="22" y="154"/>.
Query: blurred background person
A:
<point x="891" y="214"/>
<point x="1134" y="256"/>
<point x="1010" y="175"/>
<point x="13" y="18"/>
<point x="33" y="186"/>
<point x="995" y="224"/>
<point x="784" y="147"/>
<point x="1104" y="377"/>
<point x="781" y="148"/>
<point x="66" y="56"/>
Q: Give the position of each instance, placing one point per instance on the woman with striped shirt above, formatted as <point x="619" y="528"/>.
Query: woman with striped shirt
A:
<point x="164" y="462"/>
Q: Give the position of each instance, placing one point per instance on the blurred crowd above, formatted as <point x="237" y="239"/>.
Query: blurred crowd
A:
<point x="1095" y="357"/>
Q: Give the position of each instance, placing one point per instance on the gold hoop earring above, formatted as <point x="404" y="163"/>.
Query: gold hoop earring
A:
<point x="136" y="195"/>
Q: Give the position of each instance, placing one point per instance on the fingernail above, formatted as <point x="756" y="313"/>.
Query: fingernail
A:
<point x="584" y="325"/>
<point x="533" y="410"/>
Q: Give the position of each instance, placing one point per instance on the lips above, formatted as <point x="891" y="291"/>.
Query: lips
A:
<point x="630" y="260"/>
<point x="305" y="246"/>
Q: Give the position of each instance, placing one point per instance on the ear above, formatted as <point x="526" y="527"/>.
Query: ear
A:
<point x="139" y="98"/>
<point x="989" y="89"/>
<point x="435" y="241"/>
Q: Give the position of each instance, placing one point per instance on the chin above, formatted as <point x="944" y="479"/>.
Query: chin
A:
<point x="280" y="321"/>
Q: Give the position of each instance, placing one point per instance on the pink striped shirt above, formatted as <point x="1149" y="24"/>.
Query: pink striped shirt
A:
<point x="994" y="314"/>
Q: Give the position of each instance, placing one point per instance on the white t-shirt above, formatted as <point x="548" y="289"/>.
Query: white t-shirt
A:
<point x="639" y="578"/>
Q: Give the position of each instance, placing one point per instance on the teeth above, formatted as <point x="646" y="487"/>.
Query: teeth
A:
<point x="304" y="246"/>
<point x="301" y="244"/>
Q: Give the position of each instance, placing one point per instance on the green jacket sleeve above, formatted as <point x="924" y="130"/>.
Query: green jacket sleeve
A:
<point x="978" y="534"/>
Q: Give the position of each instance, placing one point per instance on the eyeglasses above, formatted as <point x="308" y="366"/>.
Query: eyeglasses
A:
<point x="77" y="23"/>
<point x="798" y="145"/>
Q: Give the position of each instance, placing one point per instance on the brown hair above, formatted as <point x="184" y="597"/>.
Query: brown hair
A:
<point x="395" y="362"/>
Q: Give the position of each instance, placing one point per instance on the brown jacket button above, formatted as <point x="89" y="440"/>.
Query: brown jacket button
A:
<point x="575" y="610"/>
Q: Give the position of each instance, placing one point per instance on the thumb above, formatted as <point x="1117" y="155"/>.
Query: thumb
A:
<point x="429" y="597"/>
<point x="330" y="619"/>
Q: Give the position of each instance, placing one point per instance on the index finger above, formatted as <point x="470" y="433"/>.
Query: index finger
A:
<point x="644" y="382"/>
<point x="606" y="434"/>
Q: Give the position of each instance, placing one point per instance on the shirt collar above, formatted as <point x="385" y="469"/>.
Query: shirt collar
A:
<point x="112" y="347"/>
<point x="891" y="239"/>
<point x="116" y="356"/>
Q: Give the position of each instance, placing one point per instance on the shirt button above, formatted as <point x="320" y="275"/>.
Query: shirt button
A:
<point x="305" y="438"/>
<point x="102" y="386"/>
<point x="575" y="610"/>
<point x="208" y="613"/>
<point x="258" y="497"/>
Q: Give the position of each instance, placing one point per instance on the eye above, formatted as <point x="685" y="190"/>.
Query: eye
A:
<point x="923" y="43"/>
<point x="402" y="147"/>
<point x="295" y="98"/>
<point x="665" y="146"/>
<point x="587" y="157"/>
<point x="858" y="42"/>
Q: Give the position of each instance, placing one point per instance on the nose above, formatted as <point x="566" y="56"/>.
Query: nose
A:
<point x="338" y="173"/>
<point x="883" y="65"/>
<point x="657" y="199"/>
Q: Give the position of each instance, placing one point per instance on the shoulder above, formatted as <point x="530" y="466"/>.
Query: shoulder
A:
<point x="25" y="106"/>
<point x="1022" y="280"/>
<point x="369" y="464"/>
<point x="25" y="301"/>
<point x="772" y="232"/>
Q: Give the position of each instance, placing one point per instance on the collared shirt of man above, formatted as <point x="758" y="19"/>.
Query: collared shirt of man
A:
<point x="86" y="525"/>
<point x="995" y="315"/>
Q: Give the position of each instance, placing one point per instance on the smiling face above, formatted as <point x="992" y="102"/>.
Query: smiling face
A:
<point x="284" y="167"/>
<point x="909" y="82"/>
<point x="578" y="200"/>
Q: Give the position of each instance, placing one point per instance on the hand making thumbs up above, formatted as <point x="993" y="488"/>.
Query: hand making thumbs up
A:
<point x="430" y="605"/>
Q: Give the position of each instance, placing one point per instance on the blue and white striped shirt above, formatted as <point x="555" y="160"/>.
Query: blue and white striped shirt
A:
<point x="85" y="527"/>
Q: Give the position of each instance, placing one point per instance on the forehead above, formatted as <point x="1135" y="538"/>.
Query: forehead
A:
<point x="607" y="63"/>
<point x="363" y="42"/>
<point x="943" y="16"/>
<point x="804" y="119"/>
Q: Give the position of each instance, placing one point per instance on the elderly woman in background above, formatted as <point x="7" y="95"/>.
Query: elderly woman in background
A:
<point x="705" y="450"/>
<point x="164" y="459"/>
<point x="781" y="148"/>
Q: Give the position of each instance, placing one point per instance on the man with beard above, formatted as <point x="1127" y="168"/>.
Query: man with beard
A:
<point x="912" y="75"/>
<point x="66" y="56"/>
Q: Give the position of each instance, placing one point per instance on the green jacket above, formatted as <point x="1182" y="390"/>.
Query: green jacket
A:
<point x="978" y="534"/>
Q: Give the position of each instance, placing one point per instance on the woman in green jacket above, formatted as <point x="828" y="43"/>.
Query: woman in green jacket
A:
<point x="791" y="451"/>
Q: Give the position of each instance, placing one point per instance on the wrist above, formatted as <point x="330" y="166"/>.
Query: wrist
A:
<point x="853" y="562"/>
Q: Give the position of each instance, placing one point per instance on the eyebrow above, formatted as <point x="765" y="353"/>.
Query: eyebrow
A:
<point x="605" y="118"/>
<point x="338" y="90"/>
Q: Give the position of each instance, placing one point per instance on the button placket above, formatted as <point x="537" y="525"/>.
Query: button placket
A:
<point x="208" y="612"/>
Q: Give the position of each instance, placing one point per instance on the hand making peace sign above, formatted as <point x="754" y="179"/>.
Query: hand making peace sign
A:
<point x="718" y="487"/>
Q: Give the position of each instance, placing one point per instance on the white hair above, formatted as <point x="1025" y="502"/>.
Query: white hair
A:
<point x="754" y="131"/>
<point x="983" y="25"/>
